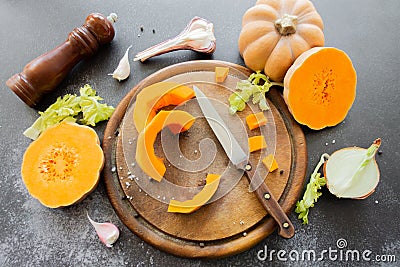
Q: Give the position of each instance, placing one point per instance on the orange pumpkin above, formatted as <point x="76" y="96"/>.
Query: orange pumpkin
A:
<point x="256" y="143"/>
<point x="156" y="96"/>
<point x="275" y="32"/>
<point x="191" y="205"/>
<point x="153" y="166"/>
<point x="320" y="87"/>
<point x="63" y="165"/>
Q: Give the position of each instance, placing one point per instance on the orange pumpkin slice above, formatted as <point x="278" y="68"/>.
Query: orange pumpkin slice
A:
<point x="63" y="165"/>
<point x="221" y="73"/>
<point x="156" y="96"/>
<point x="189" y="206"/>
<point x="153" y="166"/>
<point x="270" y="163"/>
<point x="257" y="143"/>
<point x="320" y="87"/>
<point x="255" y="120"/>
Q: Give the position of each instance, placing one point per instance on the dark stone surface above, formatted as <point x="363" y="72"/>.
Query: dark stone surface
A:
<point x="32" y="235"/>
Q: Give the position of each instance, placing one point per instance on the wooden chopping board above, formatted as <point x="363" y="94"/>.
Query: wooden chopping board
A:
<point x="234" y="220"/>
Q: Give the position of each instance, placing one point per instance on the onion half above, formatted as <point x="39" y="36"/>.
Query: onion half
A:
<point x="353" y="172"/>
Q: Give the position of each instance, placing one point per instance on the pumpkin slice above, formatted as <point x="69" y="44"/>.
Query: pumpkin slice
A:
<point x="270" y="163"/>
<point x="257" y="143"/>
<point x="320" y="87"/>
<point x="189" y="206"/>
<point x="156" y="96"/>
<point x="255" y="120"/>
<point x="153" y="166"/>
<point x="221" y="73"/>
<point x="63" y="165"/>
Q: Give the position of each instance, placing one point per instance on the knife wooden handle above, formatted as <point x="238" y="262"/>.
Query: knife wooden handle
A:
<point x="264" y="195"/>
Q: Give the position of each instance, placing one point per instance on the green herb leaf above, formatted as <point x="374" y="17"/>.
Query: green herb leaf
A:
<point x="68" y="107"/>
<point x="311" y="194"/>
<point x="256" y="86"/>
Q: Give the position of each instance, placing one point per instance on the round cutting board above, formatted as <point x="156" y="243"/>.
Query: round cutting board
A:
<point x="233" y="220"/>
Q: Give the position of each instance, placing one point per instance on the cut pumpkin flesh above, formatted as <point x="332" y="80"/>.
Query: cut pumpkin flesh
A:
<point x="178" y="121"/>
<point x="189" y="206"/>
<point x="255" y="120"/>
<point x="257" y="143"/>
<point x="320" y="87"/>
<point x="63" y="165"/>
<point x="156" y="96"/>
<point x="270" y="163"/>
<point x="220" y="74"/>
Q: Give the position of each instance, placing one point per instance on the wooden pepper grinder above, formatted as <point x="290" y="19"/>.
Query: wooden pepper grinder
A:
<point x="44" y="73"/>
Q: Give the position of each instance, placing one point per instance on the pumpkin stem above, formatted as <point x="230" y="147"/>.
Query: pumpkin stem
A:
<point x="286" y="25"/>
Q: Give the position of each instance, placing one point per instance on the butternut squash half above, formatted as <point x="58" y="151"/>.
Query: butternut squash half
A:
<point x="153" y="166"/>
<point x="191" y="205"/>
<point x="320" y="87"/>
<point x="63" y="165"/>
<point x="156" y="96"/>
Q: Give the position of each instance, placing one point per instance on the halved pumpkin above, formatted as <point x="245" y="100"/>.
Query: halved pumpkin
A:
<point x="320" y="87"/>
<point x="189" y="206"/>
<point x="156" y="96"/>
<point x="178" y="121"/>
<point x="63" y="165"/>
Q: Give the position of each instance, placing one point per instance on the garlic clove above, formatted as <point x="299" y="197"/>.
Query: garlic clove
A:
<point x="353" y="172"/>
<point x="124" y="69"/>
<point x="108" y="233"/>
<point x="197" y="36"/>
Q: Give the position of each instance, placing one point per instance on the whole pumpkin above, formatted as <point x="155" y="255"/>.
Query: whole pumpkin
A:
<point x="275" y="32"/>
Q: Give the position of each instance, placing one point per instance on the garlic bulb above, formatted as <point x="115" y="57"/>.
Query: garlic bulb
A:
<point x="108" y="233"/>
<point x="124" y="69"/>
<point x="197" y="36"/>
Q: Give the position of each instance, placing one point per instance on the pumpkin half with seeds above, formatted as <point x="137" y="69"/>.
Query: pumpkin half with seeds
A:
<point x="63" y="165"/>
<point x="320" y="87"/>
<point x="275" y="32"/>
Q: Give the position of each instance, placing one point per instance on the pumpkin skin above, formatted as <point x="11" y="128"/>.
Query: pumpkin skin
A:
<point x="275" y="32"/>
<point x="156" y="96"/>
<point x="320" y="87"/>
<point x="153" y="166"/>
<point x="63" y="165"/>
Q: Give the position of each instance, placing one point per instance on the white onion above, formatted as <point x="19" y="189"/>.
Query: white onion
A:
<point x="353" y="172"/>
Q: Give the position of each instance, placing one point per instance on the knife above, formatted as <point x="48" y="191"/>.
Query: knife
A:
<point x="240" y="159"/>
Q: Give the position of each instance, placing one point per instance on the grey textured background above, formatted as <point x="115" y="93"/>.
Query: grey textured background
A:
<point x="32" y="235"/>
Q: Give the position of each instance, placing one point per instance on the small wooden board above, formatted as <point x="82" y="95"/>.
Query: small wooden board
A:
<point x="234" y="220"/>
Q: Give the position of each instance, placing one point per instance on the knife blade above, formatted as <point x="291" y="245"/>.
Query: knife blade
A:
<point x="240" y="159"/>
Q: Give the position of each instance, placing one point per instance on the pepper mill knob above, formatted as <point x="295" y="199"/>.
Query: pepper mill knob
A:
<point x="43" y="74"/>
